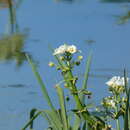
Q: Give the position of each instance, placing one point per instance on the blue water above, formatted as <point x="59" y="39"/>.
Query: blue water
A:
<point x="53" y="23"/>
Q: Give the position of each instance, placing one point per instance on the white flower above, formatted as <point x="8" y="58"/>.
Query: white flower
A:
<point x="60" y="50"/>
<point x="109" y="102"/>
<point x="65" y="48"/>
<point x="112" y="103"/>
<point x="117" y="83"/>
<point x="71" y="49"/>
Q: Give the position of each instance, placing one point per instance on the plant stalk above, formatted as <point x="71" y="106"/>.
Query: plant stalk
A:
<point x="116" y="109"/>
<point x="74" y="91"/>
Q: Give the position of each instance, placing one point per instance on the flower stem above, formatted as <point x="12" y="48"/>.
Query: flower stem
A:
<point x="73" y="89"/>
<point x="71" y="83"/>
<point x="117" y="124"/>
<point x="79" y="105"/>
<point x="116" y="109"/>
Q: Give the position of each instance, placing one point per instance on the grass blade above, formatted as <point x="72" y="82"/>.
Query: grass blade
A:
<point x="30" y="122"/>
<point x="77" y="123"/>
<point x="86" y="75"/>
<point x="63" y="107"/>
<point x="44" y="91"/>
<point x="47" y="118"/>
<point x="32" y="113"/>
<point x="56" y="124"/>
<point x="126" y="115"/>
<point x="39" y="79"/>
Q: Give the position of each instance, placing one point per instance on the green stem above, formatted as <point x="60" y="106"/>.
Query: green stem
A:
<point x="116" y="109"/>
<point x="117" y="124"/>
<point x="73" y="89"/>
<point x="79" y="105"/>
<point x="67" y="77"/>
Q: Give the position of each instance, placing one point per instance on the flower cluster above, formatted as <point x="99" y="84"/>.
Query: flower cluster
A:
<point x="117" y="84"/>
<point x="108" y="102"/>
<point x="65" y="57"/>
<point x="65" y="48"/>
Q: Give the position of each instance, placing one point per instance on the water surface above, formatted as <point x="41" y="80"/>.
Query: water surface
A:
<point x="53" y="23"/>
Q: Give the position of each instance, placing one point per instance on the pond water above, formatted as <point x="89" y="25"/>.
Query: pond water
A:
<point x="90" y="25"/>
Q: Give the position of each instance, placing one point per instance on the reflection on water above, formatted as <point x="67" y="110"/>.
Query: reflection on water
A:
<point x="17" y="85"/>
<point x="12" y="44"/>
<point x="13" y="86"/>
<point x="104" y="73"/>
<point x="11" y="48"/>
<point x="12" y="13"/>
<point x="89" y="42"/>
<point x="124" y="18"/>
<point x="12" y="6"/>
<point x="4" y="4"/>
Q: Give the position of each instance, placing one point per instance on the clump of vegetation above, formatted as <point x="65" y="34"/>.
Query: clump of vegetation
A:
<point x="124" y="19"/>
<point x="83" y="117"/>
<point x="11" y="48"/>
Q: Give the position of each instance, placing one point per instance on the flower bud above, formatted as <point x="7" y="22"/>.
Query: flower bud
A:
<point x="80" y="57"/>
<point x="67" y="98"/>
<point x="62" y="58"/>
<point x="66" y="85"/>
<point x="51" y="64"/>
<point x="58" y="67"/>
<point x="77" y="63"/>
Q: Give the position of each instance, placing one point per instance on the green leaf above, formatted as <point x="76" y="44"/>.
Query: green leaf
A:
<point x="30" y="122"/>
<point x="86" y="75"/>
<point x="63" y="107"/>
<point x="39" y="79"/>
<point x="32" y="113"/>
<point x="45" y="93"/>
<point x="77" y="123"/>
<point x="126" y="115"/>
<point x="84" y="126"/>
<point x="56" y="124"/>
<point x="46" y="117"/>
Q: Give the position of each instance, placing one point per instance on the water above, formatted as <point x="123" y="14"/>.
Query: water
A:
<point x="54" y="23"/>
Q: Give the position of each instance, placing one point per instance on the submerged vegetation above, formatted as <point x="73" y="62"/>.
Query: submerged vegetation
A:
<point x="81" y="116"/>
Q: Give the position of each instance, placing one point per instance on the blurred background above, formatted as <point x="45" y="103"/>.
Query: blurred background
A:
<point x="31" y="26"/>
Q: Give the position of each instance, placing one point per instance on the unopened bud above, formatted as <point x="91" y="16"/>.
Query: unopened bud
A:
<point x="80" y="57"/>
<point x="62" y="58"/>
<point x="51" y="64"/>
<point x="77" y="63"/>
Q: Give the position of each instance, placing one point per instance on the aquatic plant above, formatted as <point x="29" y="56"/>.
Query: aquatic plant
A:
<point x="118" y="103"/>
<point x="81" y="116"/>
